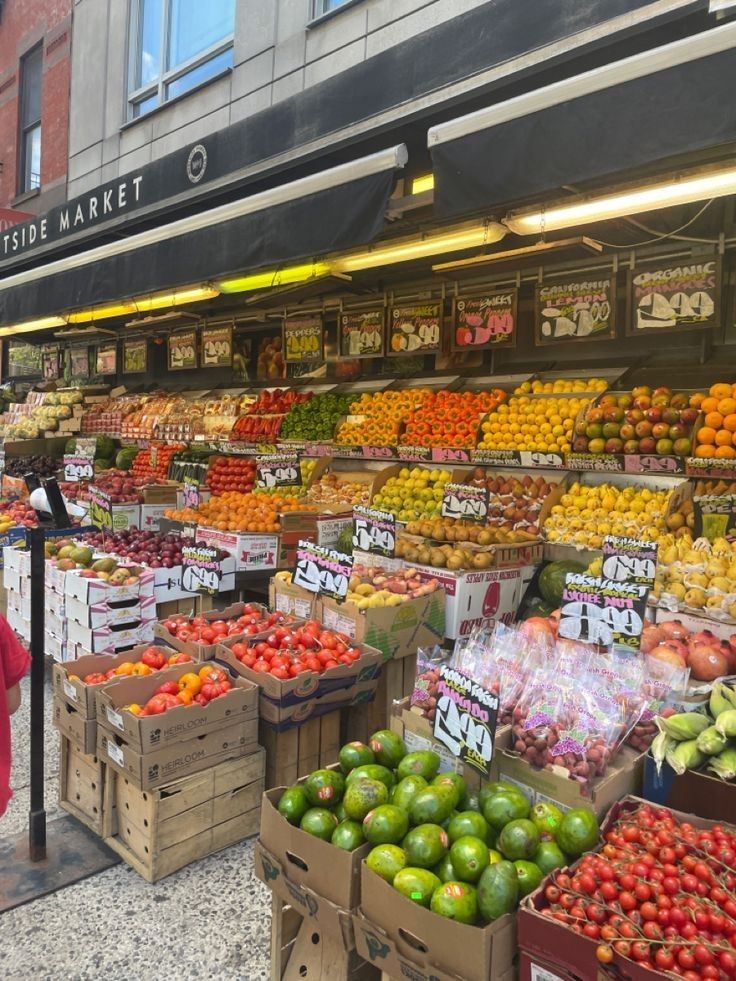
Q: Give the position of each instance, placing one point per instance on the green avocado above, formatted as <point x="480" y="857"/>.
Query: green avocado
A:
<point x="320" y="822"/>
<point x="426" y="845"/>
<point x="355" y="754"/>
<point x="469" y="856"/>
<point x="388" y="748"/>
<point x="577" y="832"/>
<point x="518" y="840"/>
<point x="293" y="804"/>
<point x="324" y="788"/>
<point x="549" y="856"/>
<point x="457" y="901"/>
<point x="498" y="890"/>
<point x="529" y="876"/>
<point x="467" y="823"/>
<point x="361" y="796"/>
<point x="406" y="790"/>
<point x="455" y="780"/>
<point x="423" y="763"/>
<point x="373" y="771"/>
<point x="386" y="861"/>
<point x="385" y="825"/>
<point x="348" y="835"/>
<point x="433" y="805"/>
<point x="445" y="870"/>
<point x="418" y="885"/>
<point x="505" y="806"/>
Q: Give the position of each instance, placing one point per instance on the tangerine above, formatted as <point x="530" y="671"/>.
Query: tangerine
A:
<point x="714" y="420"/>
<point x="725" y="453"/>
<point x="705" y="451"/>
<point x="721" y="390"/>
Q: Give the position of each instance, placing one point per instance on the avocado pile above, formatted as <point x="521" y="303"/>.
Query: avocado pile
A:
<point x="466" y="858"/>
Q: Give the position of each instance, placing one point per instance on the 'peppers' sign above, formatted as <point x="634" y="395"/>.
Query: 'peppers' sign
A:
<point x="322" y="570"/>
<point x="303" y="339"/>
<point x="466" y="718"/>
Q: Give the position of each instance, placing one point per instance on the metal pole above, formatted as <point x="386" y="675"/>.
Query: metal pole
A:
<point x="37" y="815"/>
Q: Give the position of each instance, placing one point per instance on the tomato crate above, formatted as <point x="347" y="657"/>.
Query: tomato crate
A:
<point x="157" y="832"/>
<point x="295" y="752"/>
<point x="81" y="785"/>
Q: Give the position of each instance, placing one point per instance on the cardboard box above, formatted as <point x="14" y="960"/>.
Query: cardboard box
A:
<point x="81" y="785"/>
<point x="699" y="793"/>
<point x="56" y="648"/>
<point x="55" y="624"/>
<point x="476" y="599"/>
<point x="19" y="624"/>
<point x="151" y="515"/>
<point x="104" y="614"/>
<point x="95" y="591"/>
<point x="203" y="652"/>
<point x="252" y="553"/>
<point x="288" y="598"/>
<point x="239" y="705"/>
<point x="310" y="862"/>
<point x="76" y="727"/>
<point x="181" y="758"/>
<point x="99" y="640"/>
<point x="22" y="605"/>
<point x="425" y="940"/>
<point x="125" y="516"/>
<point x="17" y="560"/>
<point x="397" y="631"/>
<point x="533" y="968"/>
<point x="16" y="582"/>
<point x="623" y="776"/>
<point x="160" y="494"/>
<point x="69" y="686"/>
<point x="157" y="832"/>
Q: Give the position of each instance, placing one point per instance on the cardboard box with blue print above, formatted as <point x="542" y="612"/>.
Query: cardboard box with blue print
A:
<point x="699" y="793"/>
<point x="397" y="631"/>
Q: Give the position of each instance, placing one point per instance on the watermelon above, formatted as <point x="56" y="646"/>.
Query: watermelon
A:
<point x="125" y="457"/>
<point x="552" y="579"/>
<point x="105" y="448"/>
<point x="538" y="607"/>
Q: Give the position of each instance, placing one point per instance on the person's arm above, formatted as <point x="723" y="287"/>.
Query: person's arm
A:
<point x="13" y="699"/>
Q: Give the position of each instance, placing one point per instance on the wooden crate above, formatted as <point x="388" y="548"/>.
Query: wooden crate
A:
<point x="300" y="951"/>
<point x="396" y="683"/>
<point x="196" y="603"/>
<point x="296" y="752"/>
<point x="82" y="785"/>
<point x="159" y="831"/>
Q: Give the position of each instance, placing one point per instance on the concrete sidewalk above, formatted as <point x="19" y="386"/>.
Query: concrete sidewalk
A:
<point x="210" y="920"/>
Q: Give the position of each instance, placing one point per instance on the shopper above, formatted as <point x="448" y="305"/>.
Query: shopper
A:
<point x="14" y="661"/>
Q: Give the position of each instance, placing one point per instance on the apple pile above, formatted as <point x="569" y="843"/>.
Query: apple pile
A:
<point x="642" y="421"/>
<point x="17" y="513"/>
<point x="253" y="620"/>
<point x="706" y="655"/>
<point x="119" y="484"/>
<point x="286" y="653"/>
<point x="150" y="548"/>
<point x="192" y="688"/>
<point x="151" y="660"/>
<point x="514" y="502"/>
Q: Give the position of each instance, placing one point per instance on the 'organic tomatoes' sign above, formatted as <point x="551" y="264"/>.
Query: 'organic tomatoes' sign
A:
<point x="466" y="717"/>
<point x="322" y="570"/>
<point x="480" y="322"/>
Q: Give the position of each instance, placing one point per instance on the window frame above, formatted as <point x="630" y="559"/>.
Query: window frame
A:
<point x="27" y="129"/>
<point x="319" y="13"/>
<point x="166" y="77"/>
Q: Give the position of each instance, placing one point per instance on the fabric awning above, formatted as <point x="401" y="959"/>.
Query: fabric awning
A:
<point x="333" y="210"/>
<point x="655" y="105"/>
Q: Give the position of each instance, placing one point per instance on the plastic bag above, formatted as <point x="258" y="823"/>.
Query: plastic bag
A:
<point x="661" y="684"/>
<point x="424" y="696"/>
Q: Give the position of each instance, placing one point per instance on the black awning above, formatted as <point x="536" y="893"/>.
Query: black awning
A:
<point x="570" y="133"/>
<point x="326" y="212"/>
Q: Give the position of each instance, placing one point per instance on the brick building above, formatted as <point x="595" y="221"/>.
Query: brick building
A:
<point x="35" y="63"/>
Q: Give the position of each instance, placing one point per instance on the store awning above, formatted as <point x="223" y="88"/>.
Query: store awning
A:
<point x="333" y="210"/>
<point x="662" y="103"/>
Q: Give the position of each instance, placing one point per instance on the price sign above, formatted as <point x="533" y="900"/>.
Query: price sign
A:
<point x="666" y="298"/>
<point x="415" y="330"/>
<point x="135" y="357"/>
<point x="190" y="492"/>
<point x="575" y="310"/>
<point x="629" y="559"/>
<point x="2" y="462"/>
<point x="715" y="516"/>
<point x="465" y="501"/>
<point x="106" y="362"/>
<point x="50" y="362"/>
<point x="278" y="470"/>
<point x="100" y="509"/>
<point x="201" y="569"/>
<point x="322" y="570"/>
<point x="80" y="465"/>
<point x="374" y="531"/>
<point x="182" y="350"/>
<point x="217" y="347"/>
<point x="303" y="338"/>
<point x="466" y="717"/>
<point x="602" y="611"/>
<point x="481" y="322"/>
<point x="361" y="333"/>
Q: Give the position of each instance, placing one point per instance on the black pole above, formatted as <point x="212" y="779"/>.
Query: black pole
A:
<point x="37" y="815"/>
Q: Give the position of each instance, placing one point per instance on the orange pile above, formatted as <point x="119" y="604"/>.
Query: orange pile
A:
<point x="381" y="415"/>
<point x="234" y="511"/>
<point x="717" y="436"/>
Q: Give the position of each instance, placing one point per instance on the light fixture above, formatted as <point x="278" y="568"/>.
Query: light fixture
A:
<point x="44" y="323"/>
<point x="156" y="301"/>
<point x="274" y="278"/>
<point x="421" y="184"/>
<point x="683" y="189"/>
<point x="404" y="250"/>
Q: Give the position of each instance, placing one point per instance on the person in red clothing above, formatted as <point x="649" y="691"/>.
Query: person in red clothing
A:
<point x="14" y="661"/>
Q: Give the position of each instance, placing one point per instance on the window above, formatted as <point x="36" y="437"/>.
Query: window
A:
<point x="24" y="360"/>
<point x="322" y="7"/>
<point x="29" y="173"/>
<point x="176" y="45"/>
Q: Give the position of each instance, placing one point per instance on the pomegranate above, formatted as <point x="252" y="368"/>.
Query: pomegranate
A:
<point x="707" y="663"/>
<point x="662" y="652"/>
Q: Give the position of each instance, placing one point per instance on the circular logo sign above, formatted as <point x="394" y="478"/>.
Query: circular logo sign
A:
<point x="197" y="164"/>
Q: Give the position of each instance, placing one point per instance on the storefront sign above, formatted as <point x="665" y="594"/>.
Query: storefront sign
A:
<point x="415" y="330"/>
<point x="322" y="570"/>
<point x="374" y="531"/>
<point x="575" y="310"/>
<point x="278" y="470"/>
<point x="602" y="611"/>
<point x="135" y="357"/>
<point x="183" y="350"/>
<point x="79" y="362"/>
<point x="715" y="516"/>
<point x="303" y="339"/>
<point x="465" y="501"/>
<point x="629" y="559"/>
<point x="190" y="492"/>
<point x="100" y="509"/>
<point x="361" y="333"/>
<point x="681" y="296"/>
<point x="480" y="322"/>
<point x="201" y="569"/>
<point x="107" y="359"/>
<point x="217" y="347"/>
<point x="50" y="362"/>
<point x="465" y="720"/>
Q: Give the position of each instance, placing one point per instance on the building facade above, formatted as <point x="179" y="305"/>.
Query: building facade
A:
<point x="35" y="69"/>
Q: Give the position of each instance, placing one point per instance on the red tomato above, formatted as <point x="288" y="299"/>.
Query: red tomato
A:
<point x="263" y="667"/>
<point x="353" y="653"/>
<point x="239" y="649"/>
<point x="282" y="673"/>
<point x="297" y="668"/>
<point x="208" y="635"/>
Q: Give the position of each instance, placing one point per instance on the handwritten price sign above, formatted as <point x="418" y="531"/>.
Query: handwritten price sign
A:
<point x="602" y="611"/>
<point x="465" y="501"/>
<point x="278" y="470"/>
<point x="374" y="531"/>
<point x="484" y="321"/>
<point x="322" y="570"/>
<point x="202" y="569"/>
<point x="629" y="559"/>
<point x="190" y="492"/>
<point x="100" y="509"/>
<point x="466" y="718"/>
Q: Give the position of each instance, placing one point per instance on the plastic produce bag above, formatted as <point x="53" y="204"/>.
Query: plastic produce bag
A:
<point x="424" y="696"/>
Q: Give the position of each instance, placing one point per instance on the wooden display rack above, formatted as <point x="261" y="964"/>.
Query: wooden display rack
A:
<point x="397" y="682"/>
<point x="301" y="952"/>
<point x="295" y="752"/>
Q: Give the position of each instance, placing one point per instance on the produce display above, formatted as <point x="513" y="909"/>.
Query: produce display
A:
<point x="233" y="511"/>
<point x="641" y="421"/>
<point x="470" y="859"/>
<point x="376" y="419"/>
<point x="41" y="412"/>
<point x="151" y="660"/>
<point x="436" y="551"/>
<point x="317" y="418"/>
<point x="561" y="386"/>
<point x="190" y="463"/>
<point x="514" y="502"/>
<point x="231" y="473"/>
<point x="151" y="548"/>
<point x="16" y="514"/>
<point x="152" y="465"/>
<point x="70" y="556"/>
<point x="545" y="425"/>
<point x="700" y="740"/>
<point x="658" y="896"/>
<point x="697" y="575"/>
<point x="295" y="648"/>
<point x="715" y="438"/>
<point x="253" y="620"/>
<point x="587" y="512"/>
<point x="372" y="586"/>
<point x="265" y="416"/>
<point x="449" y="418"/>
<point x="193" y="688"/>
<point x="335" y="491"/>
<point x="122" y="487"/>
<point x="413" y="494"/>
<point x="42" y="466"/>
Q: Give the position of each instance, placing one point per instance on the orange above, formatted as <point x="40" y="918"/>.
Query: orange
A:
<point x="727" y="406"/>
<point x="705" y="451"/>
<point x="723" y="438"/>
<point x="720" y="390"/>
<point x="709" y="405"/>
<point x="729" y="422"/>
<point x="706" y="435"/>
<point x="725" y="452"/>
<point x="696" y="400"/>
<point x="714" y="420"/>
